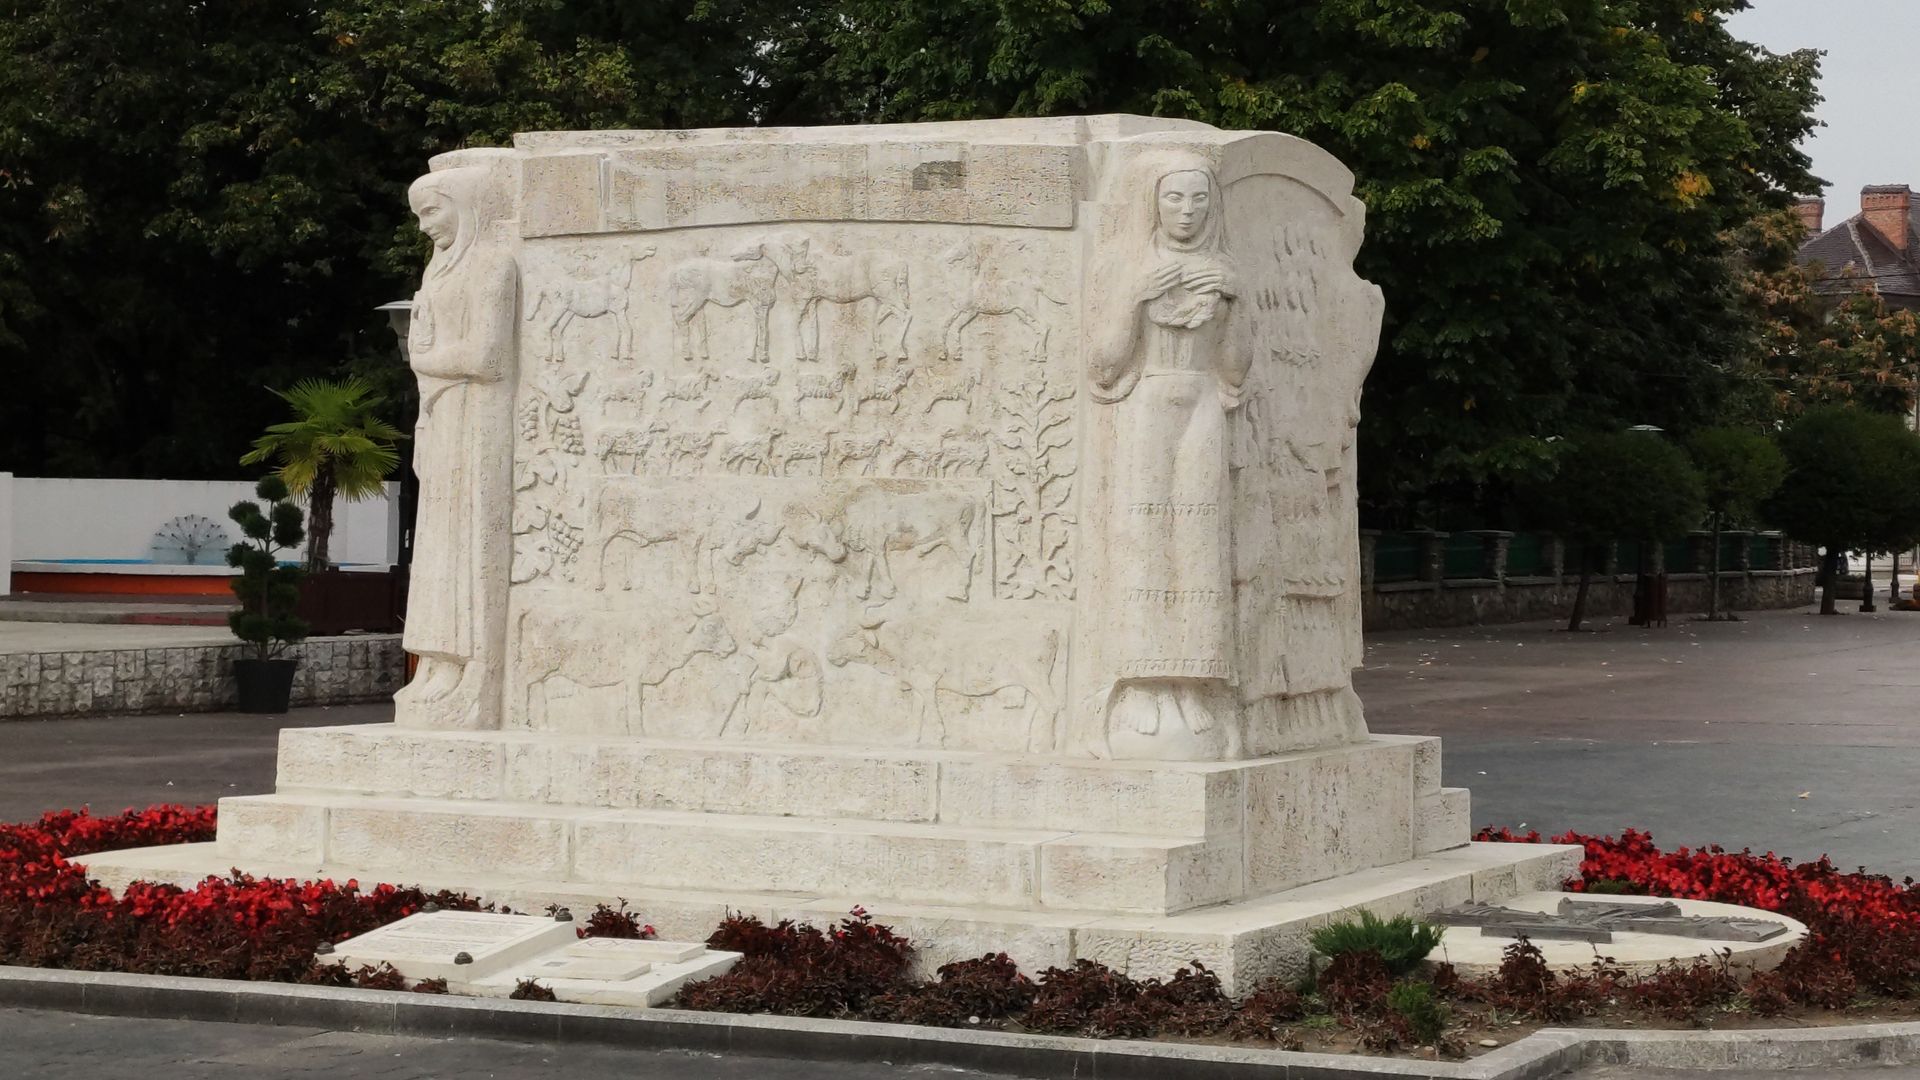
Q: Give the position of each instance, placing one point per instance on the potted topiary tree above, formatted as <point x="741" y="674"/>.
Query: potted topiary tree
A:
<point x="268" y="592"/>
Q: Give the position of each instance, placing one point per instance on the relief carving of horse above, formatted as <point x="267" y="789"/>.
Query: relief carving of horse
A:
<point x="818" y="277"/>
<point x="590" y="296"/>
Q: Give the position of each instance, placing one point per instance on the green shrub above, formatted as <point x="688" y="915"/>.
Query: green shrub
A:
<point x="1418" y="1005"/>
<point x="1401" y="942"/>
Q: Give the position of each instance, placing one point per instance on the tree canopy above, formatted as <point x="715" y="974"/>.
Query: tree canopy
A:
<point x="1739" y="470"/>
<point x="1626" y="485"/>
<point x="1852" y="481"/>
<point x="1616" y="485"/>
<point x="197" y="201"/>
<point x="1812" y="349"/>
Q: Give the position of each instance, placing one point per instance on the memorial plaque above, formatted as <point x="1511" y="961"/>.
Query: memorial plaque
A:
<point x="425" y="945"/>
<point x="613" y="971"/>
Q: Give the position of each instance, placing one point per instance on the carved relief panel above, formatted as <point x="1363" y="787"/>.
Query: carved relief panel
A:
<point x="1037" y="441"/>
<point x="799" y="482"/>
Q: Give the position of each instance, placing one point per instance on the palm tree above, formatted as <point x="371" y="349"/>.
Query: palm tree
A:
<point x="335" y="445"/>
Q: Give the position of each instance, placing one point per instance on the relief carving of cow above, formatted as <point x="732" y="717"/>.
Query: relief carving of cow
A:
<point x="971" y="653"/>
<point x="597" y="650"/>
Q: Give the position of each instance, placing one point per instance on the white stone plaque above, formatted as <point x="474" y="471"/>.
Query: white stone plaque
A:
<point x="425" y="945"/>
<point x="612" y="971"/>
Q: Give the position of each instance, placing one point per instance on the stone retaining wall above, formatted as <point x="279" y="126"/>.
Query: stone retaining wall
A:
<point x="1414" y="605"/>
<point x="1784" y="578"/>
<point x="192" y="678"/>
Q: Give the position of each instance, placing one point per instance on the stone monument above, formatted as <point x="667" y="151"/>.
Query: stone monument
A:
<point x="953" y="519"/>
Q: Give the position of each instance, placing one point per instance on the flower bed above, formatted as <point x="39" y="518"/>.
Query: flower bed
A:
<point x="1863" y="953"/>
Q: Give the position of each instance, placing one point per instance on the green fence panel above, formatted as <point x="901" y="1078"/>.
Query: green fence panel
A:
<point x="1760" y="551"/>
<point x="1396" y="557"/>
<point x="1679" y="556"/>
<point x="1466" y="556"/>
<point x="1730" y="549"/>
<point x="1527" y="555"/>
<point x="1628" y="557"/>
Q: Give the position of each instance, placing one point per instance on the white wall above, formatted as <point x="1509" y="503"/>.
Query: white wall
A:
<point x="117" y="519"/>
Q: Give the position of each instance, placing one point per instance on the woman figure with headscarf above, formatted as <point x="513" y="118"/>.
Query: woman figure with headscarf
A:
<point x="461" y="344"/>
<point x="1165" y="356"/>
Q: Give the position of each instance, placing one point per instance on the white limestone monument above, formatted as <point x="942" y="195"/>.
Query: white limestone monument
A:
<point x="952" y="519"/>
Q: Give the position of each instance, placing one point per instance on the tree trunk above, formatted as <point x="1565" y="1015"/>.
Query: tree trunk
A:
<point x="1713" y="582"/>
<point x="1829" y="604"/>
<point x="319" y="517"/>
<point x="1580" y="595"/>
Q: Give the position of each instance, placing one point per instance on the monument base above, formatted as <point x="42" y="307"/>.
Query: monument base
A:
<point x="1140" y="865"/>
<point x="1242" y="942"/>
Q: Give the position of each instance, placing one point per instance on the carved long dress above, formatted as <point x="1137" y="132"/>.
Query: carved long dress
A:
<point x="1171" y="565"/>
<point x="460" y="347"/>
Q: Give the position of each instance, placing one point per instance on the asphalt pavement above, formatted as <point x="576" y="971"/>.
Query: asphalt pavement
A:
<point x="69" y="1046"/>
<point x="1787" y="731"/>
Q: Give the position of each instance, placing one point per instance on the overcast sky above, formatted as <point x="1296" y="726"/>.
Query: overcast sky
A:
<point x="1869" y="78"/>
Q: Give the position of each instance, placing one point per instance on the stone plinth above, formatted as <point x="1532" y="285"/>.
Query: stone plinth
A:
<point x="956" y="520"/>
<point x="1139" y="865"/>
<point x="918" y="826"/>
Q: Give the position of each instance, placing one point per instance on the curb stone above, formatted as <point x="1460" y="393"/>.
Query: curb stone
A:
<point x="1547" y="1053"/>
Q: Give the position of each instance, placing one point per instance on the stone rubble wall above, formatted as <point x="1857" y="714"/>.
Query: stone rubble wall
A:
<point x="1426" y="605"/>
<point x="1437" y="598"/>
<point x="197" y="678"/>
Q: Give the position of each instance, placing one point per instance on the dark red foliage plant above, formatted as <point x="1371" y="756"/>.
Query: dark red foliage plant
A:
<point x="967" y="993"/>
<point x="1263" y="1013"/>
<point x="1525" y="984"/>
<point x="800" y="970"/>
<point x="531" y="990"/>
<point x="1686" y="992"/>
<point x="610" y="922"/>
<point x="1355" y="982"/>
<point x="1069" y="998"/>
<point x="383" y="977"/>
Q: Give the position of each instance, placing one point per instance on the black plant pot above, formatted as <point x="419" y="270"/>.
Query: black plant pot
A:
<point x="266" y="686"/>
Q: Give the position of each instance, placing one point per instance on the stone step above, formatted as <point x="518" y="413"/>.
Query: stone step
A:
<point x="1164" y="799"/>
<point x="1442" y="820"/>
<point x="992" y="867"/>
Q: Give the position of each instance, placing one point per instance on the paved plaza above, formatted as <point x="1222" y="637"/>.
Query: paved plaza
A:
<point x="1785" y="731"/>
<point x="1699" y="732"/>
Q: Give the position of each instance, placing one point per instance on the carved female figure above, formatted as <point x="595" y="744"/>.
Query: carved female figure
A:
<point x="1166" y="358"/>
<point x="461" y="348"/>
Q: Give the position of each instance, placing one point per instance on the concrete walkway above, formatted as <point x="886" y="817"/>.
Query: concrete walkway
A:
<point x="24" y="636"/>
<point x="78" y="608"/>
